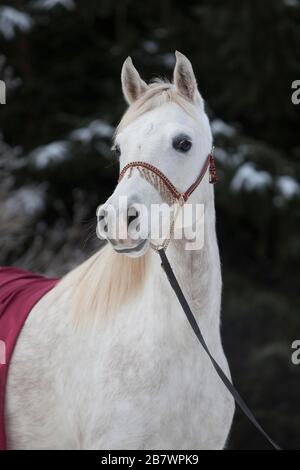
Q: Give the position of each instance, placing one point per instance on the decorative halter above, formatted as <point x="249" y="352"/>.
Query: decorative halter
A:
<point x="162" y="183"/>
<point x="167" y="189"/>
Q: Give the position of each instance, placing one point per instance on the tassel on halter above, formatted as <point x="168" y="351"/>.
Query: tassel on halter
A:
<point x="213" y="177"/>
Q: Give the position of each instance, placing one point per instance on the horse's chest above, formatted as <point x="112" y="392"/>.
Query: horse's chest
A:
<point x="167" y="398"/>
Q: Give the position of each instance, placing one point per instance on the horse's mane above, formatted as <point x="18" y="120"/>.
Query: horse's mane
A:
<point x="100" y="285"/>
<point x="107" y="280"/>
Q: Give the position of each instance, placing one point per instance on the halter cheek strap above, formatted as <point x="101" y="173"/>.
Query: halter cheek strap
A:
<point x="162" y="183"/>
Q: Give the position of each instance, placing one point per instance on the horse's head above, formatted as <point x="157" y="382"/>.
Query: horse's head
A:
<point x="165" y="126"/>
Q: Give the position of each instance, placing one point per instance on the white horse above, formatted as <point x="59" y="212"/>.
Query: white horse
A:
<point x="107" y="360"/>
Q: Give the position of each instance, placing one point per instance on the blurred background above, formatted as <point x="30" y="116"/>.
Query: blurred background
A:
<point x="61" y="61"/>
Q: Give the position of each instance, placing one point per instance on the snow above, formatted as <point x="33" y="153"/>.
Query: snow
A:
<point x="28" y="201"/>
<point x="58" y="151"/>
<point x="52" y="153"/>
<point x="11" y="20"/>
<point x="221" y="156"/>
<point x="291" y="3"/>
<point x="168" y="60"/>
<point x="288" y="187"/>
<point x="232" y="160"/>
<point x="48" y="4"/>
<point x="219" y="127"/>
<point x="250" y="179"/>
<point x="96" y="129"/>
<point x="150" y="46"/>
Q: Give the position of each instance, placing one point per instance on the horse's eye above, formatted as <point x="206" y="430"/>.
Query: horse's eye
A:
<point x="116" y="150"/>
<point x="182" y="143"/>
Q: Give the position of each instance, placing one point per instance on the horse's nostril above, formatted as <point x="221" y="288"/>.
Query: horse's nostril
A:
<point x="102" y="219"/>
<point x="132" y="215"/>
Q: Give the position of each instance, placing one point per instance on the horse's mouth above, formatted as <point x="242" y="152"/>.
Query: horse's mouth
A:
<point x="135" y="251"/>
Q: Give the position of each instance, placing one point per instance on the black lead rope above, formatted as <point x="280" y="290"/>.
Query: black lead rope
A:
<point x="186" y="308"/>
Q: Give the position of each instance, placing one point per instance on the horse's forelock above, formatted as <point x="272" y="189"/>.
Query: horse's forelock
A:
<point x="158" y="93"/>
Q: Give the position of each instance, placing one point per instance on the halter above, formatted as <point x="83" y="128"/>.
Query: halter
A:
<point x="162" y="183"/>
<point x="167" y="189"/>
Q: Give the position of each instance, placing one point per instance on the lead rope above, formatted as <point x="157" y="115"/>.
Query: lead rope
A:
<point x="192" y="321"/>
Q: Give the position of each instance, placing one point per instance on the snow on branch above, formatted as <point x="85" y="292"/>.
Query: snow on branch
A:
<point x="12" y="20"/>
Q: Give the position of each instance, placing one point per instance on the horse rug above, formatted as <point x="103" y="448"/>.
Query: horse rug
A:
<point x="19" y="292"/>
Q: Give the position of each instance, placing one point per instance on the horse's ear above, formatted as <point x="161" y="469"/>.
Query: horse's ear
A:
<point x="132" y="84"/>
<point x="184" y="77"/>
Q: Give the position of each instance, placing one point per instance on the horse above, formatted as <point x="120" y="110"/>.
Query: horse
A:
<point x="106" y="359"/>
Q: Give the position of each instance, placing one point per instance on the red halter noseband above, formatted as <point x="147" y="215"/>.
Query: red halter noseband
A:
<point x="148" y="171"/>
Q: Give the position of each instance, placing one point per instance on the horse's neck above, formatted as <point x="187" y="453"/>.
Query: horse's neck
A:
<point x="198" y="271"/>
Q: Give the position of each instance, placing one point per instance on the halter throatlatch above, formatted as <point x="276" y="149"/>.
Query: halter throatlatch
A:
<point x="167" y="189"/>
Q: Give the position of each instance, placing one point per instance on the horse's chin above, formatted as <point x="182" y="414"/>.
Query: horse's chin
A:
<point x="139" y="252"/>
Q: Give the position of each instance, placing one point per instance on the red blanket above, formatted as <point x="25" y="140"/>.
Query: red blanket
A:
<point x="19" y="292"/>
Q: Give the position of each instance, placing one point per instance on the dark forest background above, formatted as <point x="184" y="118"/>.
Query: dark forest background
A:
<point x="61" y="61"/>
